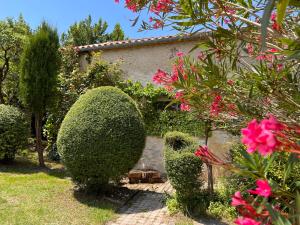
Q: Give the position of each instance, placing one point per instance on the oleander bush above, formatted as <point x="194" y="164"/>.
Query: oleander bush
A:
<point x="14" y="132"/>
<point x="102" y="137"/>
<point x="183" y="168"/>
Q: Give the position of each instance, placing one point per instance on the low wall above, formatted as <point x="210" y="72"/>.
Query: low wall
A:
<point x="153" y="156"/>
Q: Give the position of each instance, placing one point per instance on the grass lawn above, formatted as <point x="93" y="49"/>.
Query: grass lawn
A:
<point x="30" y="195"/>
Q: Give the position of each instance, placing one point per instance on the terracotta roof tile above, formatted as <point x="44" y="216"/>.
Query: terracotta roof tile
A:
<point x="140" y="42"/>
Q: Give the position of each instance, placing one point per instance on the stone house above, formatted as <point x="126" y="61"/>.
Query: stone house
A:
<point x="140" y="59"/>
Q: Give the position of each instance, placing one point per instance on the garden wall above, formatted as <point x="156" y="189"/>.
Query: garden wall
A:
<point x="152" y="157"/>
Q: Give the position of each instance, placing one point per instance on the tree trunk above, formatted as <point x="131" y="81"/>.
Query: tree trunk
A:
<point x="1" y="95"/>
<point x="210" y="179"/>
<point x="38" y="136"/>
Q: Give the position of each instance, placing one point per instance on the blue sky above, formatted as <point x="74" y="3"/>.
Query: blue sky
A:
<point x="63" y="13"/>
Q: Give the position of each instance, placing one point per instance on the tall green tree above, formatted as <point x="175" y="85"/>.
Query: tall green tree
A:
<point x="13" y="35"/>
<point x="117" y="34"/>
<point x="38" y="81"/>
<point x="85" y="32"/>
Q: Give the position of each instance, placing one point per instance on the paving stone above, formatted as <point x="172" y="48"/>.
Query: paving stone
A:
<point x="147" y="207"/>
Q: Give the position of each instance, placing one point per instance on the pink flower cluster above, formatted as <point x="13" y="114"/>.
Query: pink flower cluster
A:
<point x="215" y="107"/>
<point x="162" y="6"/>
<point x="263" y="189"/>
<point x="209" y="157"/>
<point x="130" y="4"/>
<point x="262" y="136"/>
<point x="161" y="77"/>
<point x="184" y="106"/>
<point x="275" y="25"/>
<point x="247" y="210"/>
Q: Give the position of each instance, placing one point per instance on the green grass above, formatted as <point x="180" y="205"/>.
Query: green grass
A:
<point x="30" y="195"/>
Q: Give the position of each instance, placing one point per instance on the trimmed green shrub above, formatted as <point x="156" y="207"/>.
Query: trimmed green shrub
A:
<point x="178" y="141"/>
<point x="14" y="132"/>
<point x="102" y="137"/>
<point x="183" y="167"/>
<point x="222" y="211"/>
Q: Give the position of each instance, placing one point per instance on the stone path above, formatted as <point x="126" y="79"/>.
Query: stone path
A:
<point x="148" y="208"/>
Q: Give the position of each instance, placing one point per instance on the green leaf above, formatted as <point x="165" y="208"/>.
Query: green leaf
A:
<point x="281" y="9"/>
<point x="298" y="208"/>
<point x="265" y="21"/>
<point x="277" y="218"/>
<point x="295" y="3"/>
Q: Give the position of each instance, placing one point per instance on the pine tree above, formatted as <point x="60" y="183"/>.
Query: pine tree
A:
<point x="85" y="32"/>
<point x="117" y="34"/>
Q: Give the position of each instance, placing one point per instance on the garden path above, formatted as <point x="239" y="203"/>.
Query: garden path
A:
<point x="148" y="207"/>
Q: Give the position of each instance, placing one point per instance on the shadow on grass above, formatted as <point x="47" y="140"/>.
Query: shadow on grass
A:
<point x="28" y="165"/>
<point x="94" y="201"/>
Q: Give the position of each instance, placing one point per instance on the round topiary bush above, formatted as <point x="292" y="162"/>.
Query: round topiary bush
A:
<point x="14" y="132"/>
<point x="102" y="137"/>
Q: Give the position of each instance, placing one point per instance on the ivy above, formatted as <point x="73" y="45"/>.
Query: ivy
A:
<point x="158" y="115"/>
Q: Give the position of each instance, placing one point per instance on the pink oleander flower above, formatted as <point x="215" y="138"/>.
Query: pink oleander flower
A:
<point x="263" y="189"/>
<point x="215" y="107"/>
<point x="230" y="82"/>
<point x="160" y="76"/>
<point x="246" y="221"/>
<point x="273" y="50"/>
<point x="185" y="107"/>
<point x="158" y="24"/>
<point x="117" y="1"/>
<point x="169" y="88"/>
<point x="273" y="16"/>
<point x="162" y="6"/>
<point x="237" y="199"/>
<point x="261" y="137"/>
<point x="131" y="5"/>
<point x="250" y="49"/>
<point x="279" y="67"/>
<point x="201" y="56"/>
<point x="272" y="124"/>
<point x="202" y="151"/>
<point x="179" y="95"/>
<point x="180" y="54"/>
<point x="275" y="25"/>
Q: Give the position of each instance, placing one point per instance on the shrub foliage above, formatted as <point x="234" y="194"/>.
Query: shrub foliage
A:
<point x="102" y="137"/>
<point x="14" y="132"/>
<point x="183" y="167"/>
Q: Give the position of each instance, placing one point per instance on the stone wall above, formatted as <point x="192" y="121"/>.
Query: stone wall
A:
<point x="153" y="157"/>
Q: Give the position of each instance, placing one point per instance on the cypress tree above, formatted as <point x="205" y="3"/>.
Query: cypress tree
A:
<point x="38" y="79"/>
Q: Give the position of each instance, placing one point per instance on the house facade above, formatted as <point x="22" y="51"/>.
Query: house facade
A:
<point x="140" y="58"/>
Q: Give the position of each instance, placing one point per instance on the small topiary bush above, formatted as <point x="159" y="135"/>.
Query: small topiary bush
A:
<point x="102" y="137"/>
<point x="178" y="140"/>
<point x="14" y="132"/>
<point x="183" y="167"/>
